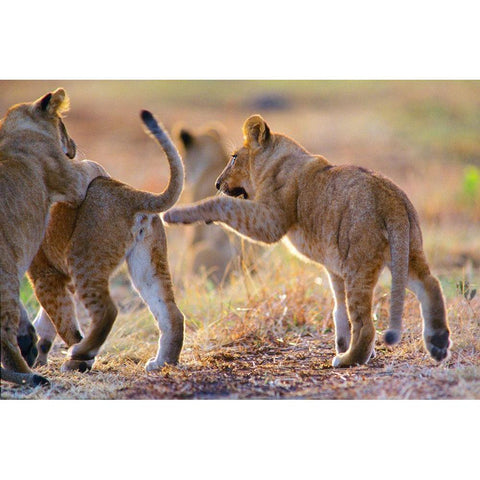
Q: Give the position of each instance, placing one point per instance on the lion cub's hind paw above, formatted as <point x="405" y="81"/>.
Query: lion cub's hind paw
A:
<point x="77" y="365"/>
<point x="339" y="361"/>
<point x="153" y="365"/>
<point x="438" y="345"/>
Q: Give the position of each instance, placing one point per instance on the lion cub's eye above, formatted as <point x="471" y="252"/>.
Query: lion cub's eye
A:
<point x="232" y="161"/>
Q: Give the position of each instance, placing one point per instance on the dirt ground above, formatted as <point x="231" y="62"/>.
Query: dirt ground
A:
<point x="303" y="371"/>
<point x="272" y="371"/>
<point x="258" y="364"/>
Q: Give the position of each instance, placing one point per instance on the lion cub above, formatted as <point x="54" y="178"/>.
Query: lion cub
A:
<point x="36" y="170"/>
<point x="85" y="245"/>
<point x="351" y="220"/>
<point x="217" y="252"/>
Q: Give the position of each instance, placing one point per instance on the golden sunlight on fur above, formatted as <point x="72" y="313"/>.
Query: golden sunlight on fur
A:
<point x="36" y="170"/>
<point x="349" y="219"/>
<point x="82" y="248"/>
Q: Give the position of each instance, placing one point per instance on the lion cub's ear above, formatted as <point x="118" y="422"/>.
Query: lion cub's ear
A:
<point x="55" y="103"/>
<point x="217" y="131"/>
<point x="182" y="134"/>
<point x="256" y="132"/>
<point x="186" y="137"/>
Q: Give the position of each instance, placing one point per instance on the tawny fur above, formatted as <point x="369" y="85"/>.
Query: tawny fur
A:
<point x="82" y="248"/>
<point x="216" y="252"/>
<point x="36" y="170"/>
<point x="349" y="219"/>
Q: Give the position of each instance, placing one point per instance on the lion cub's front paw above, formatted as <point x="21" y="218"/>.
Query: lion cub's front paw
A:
<point x="182" y="215"/>
<point x="176" y="215"/>
<point x="77" y="365"/>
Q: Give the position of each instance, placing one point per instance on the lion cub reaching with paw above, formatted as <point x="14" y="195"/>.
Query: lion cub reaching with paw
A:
<point x="220" y="254"/>
<point x="36" y="170"/>
<point x="351" y="220"/>
<point x="85" y="245"/>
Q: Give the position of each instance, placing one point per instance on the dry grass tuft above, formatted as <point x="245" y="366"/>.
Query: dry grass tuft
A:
<point x="272" y="340"/>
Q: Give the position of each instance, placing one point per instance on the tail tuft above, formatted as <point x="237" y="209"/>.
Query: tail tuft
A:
<point x="149" y="120"/>
<point x="392" y="336"/>
<point x="150" y="202"/>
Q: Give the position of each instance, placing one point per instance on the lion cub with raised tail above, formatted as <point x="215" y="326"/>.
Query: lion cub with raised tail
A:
<point x="36" y="170"/>
<point x="84" y="246"/>
<point x="351" y="220"/>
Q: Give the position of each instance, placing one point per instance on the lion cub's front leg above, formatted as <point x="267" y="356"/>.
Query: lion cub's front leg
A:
<point x="84" y="172"/>
<point x="257" y="221"/>
<point x="148" y="266"/>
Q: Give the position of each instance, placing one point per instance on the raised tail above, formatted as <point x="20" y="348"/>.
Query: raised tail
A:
<point x="150" y="202"/>
<point x="399" y="238"/>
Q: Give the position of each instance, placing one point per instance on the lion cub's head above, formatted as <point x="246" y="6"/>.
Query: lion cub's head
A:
<point x="251" y="164"/>
<point x="204" y="153"/>
<point x="44" y="116"/>
<point x="238" y="177"/>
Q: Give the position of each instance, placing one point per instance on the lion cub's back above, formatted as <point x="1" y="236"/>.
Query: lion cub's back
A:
<point x="346" y="209"/>
<point x="363" y="193"/>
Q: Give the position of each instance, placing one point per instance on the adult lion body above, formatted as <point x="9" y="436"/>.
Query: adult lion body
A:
<point x="82" y="248"/>
<point x="351" y="220"/>
<point x="36" y="170"/>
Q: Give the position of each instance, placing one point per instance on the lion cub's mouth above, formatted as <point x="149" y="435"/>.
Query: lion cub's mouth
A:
<point x="238" y="192"/>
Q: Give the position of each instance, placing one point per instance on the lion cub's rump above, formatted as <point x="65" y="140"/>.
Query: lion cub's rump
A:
<point x="351" y="220"/>
<point x="83" y="247"/>
<point x="36" y="170"/>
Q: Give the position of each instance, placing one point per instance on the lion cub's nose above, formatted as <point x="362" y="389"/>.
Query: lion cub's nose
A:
<point x="217" y="185"/>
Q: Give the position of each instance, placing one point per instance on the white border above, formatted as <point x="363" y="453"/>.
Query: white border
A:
<point x="240" y="40"/>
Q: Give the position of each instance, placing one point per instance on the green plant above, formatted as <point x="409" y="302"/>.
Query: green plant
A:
<point x="471" y="183"/>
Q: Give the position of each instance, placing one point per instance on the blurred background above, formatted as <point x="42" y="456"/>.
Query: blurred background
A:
<point x="425" y="135"/>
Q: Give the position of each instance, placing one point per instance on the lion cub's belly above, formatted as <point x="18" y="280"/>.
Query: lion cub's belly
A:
<point x="309" y="247"/>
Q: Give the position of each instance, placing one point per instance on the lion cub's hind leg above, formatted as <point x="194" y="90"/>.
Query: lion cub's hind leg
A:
<point x="359" y="289"/>
<point x="436" y="334"/>
<point x="57" y="314"/>
<point x="93" y="291"/>
<point x="148" y="265"/>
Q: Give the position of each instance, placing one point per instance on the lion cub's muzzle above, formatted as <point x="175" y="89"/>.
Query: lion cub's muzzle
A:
<point x="231" y="192"/>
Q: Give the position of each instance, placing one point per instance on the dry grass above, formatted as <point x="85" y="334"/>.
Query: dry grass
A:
<point x="273" y="339"/>
<point x="271" y="336"/>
